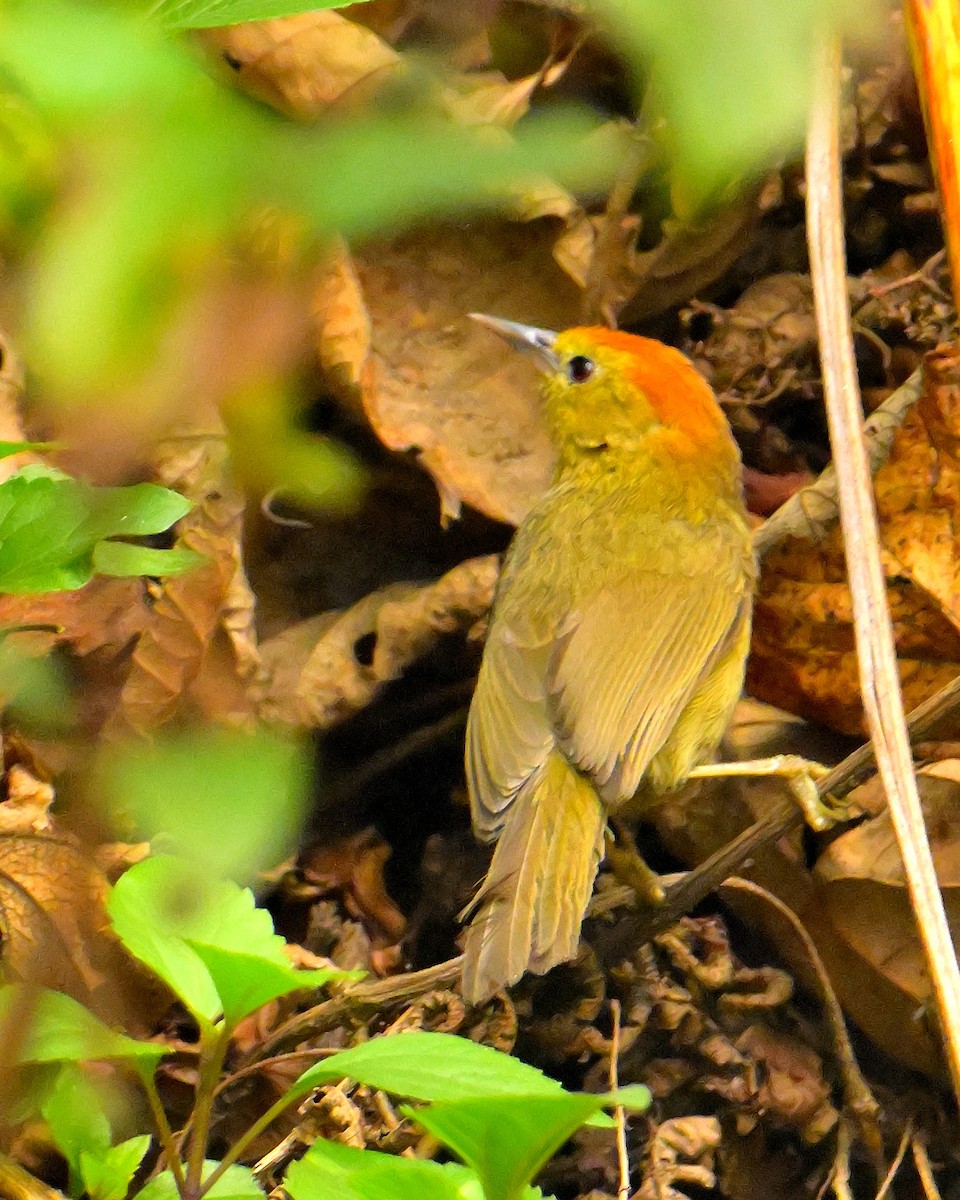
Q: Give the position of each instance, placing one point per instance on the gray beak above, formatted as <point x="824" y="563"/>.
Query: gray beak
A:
<point x="538" y="343"/>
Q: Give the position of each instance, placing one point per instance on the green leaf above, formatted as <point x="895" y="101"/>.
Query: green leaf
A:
<point x="107" y="1176"/>
<point x="50" y="526"/>
<point x="73" y="1109"/>
<point x="270" y="453"/>
<point x="205" y="938"/>
<point x="135" y="511"/>
<point x="253" y="788"/>
<point x="204" y="14"/>
<point x="123" y="559"/>
<point x="236" y="1183"/>
<point x="58" y="1029"/>
<point x="508" y="1140"/>
<point x="8" y="449"/>
<point x="246" y="982"/>
<point x="173" y="162"/>
<point x="331" y="1169"/>
<point x="432" y="1066"/>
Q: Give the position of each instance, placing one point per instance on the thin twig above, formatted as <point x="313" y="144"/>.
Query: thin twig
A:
<point x="898" y="1158"/>
<point x="619" y="1115"/>
<point x="876" y="655"/>
<point x="921" y="1160"/>
<point x="357" y="1000"/>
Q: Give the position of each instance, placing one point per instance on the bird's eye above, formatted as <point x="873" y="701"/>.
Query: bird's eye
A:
<point x="579" y="368"/>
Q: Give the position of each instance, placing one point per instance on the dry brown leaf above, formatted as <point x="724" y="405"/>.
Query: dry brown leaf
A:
<point x="178" y="652"/>
<point x="803" y="656"/>
<point x="792" y="1086"/>
<point x="878" y="966"/>
<point x="354" y="866"/>
<point x="316" y="678"/>
<point x="304" y="64"/>
<point x="435" y="382"/>
<point x="104" y="614"/>
<point x="54" y="926"/>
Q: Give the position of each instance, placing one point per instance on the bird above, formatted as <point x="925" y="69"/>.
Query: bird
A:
<point x="617" y="640"/>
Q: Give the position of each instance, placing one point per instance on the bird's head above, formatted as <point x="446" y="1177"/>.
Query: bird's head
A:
<point x="605" y="389"/>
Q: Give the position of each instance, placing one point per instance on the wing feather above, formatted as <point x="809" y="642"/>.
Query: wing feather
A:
<point x="640" y="651"/>
<point x="508" y="731"/>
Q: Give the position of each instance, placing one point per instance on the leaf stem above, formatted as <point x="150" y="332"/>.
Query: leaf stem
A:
<point x="168" y="1142"/>
<point x="246" y="1138"/>
<point x="213" y="1050"/>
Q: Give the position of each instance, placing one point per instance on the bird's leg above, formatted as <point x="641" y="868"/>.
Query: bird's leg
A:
<point x="628" y="865"/>
<point x="800" y="776"/>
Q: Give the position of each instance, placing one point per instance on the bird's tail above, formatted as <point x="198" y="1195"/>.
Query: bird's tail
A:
<point x="532" y="902"/>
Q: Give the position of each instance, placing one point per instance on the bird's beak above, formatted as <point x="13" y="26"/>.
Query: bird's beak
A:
<point x="538" y="343"/>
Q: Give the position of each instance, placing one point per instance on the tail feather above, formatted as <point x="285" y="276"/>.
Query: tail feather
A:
<point x="532" y="903"/>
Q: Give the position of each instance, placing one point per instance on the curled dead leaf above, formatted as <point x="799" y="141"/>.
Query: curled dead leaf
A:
<point x="183" y="649"/>
<point x="432" y="381"/>
<point x="53" y="924"/>
<point x="322" y="670"/>
<point x="354" y="866"/>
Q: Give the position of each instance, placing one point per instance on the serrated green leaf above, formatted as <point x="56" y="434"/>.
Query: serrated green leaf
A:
<point x="431" y="1066"/>
<point x="107" y="1176"/>
<point x="58" y="1029"/>
<point x="206" y="14"/>
<point x="197" y="933"/>
<point x="507" y="1140"/>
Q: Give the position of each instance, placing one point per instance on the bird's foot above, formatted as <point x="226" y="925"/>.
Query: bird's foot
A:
<point x="800" y="775"/>
<point x="628" y="865"/>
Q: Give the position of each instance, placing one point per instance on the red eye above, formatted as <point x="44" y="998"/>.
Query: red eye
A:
<point x="579" y="368"/>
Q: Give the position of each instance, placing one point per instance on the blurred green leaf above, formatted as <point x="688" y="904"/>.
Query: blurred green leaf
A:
<point x="58" y="1029"/>
<point x="32" y="690"/>
<point x="270" y="454"/>
<point x="74" y="1112"/>
<point x="171" y="162"/>
<point x="51" y="526"/>
<point x="203" y="14"/>
<point x="232" y="802"/>
<point x="8" y="449"/>
<point x="205" y="938"/>
<point x="732" y="78"/>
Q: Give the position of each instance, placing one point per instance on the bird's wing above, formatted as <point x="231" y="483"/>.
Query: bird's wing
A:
<point x="638" y="652"/>
<point x="508" y="731"/>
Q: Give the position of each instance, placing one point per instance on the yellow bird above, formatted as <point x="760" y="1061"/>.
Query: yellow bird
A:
<point x="618" y="636"/>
